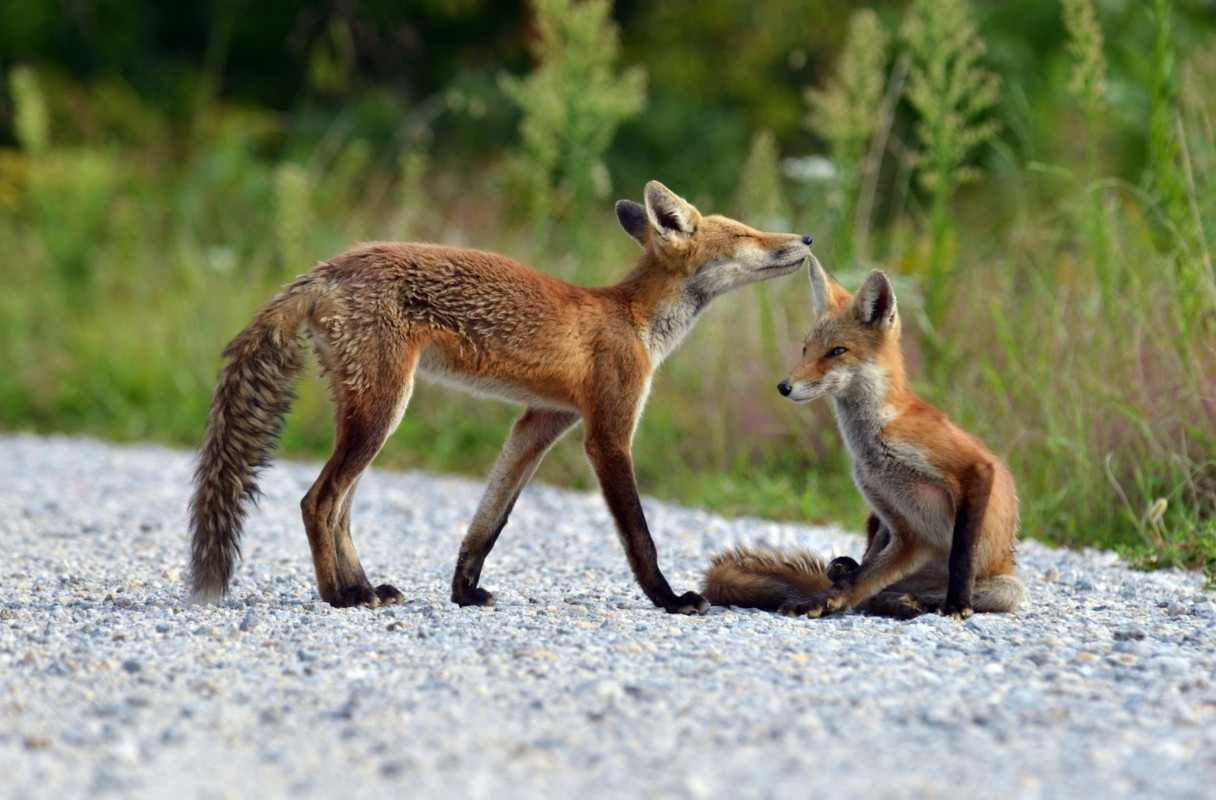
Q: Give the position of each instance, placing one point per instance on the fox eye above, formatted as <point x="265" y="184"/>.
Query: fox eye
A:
<point x="804" y="351"/>
<point x="837" y="351"/>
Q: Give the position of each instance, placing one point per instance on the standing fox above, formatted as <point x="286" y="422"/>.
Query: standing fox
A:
<point x="945" y="512"/>
<point x="379" y="313"/>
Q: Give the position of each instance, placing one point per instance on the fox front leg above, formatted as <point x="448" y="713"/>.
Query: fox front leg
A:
<point x="968" y="529"/>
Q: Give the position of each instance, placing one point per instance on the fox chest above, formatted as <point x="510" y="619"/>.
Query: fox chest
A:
<point x="905" y="489"/>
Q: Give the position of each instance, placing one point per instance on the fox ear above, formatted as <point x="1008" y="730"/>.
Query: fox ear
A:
<point x="826" y="292"/>
<point x="669" y="213"/>
<point x="875" y="302"/>
<point x="633" y="219"/>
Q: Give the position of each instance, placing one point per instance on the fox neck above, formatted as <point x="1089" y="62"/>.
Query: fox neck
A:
<point x="661" y="303"/>
<point x="874" y="398"/>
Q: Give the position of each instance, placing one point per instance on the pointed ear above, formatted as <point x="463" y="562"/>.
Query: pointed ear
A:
<point x="668" y="212"/>
<point x="633" y="219"/>
<point x="826" y="292"/>
<point x="875" y="302"/>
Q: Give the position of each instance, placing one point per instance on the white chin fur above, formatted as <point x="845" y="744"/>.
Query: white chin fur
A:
<point x="804" y="394"/>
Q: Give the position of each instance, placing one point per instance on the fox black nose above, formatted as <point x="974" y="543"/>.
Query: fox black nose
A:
<point x="784" y="387"/>
<point x="806" y="240"/>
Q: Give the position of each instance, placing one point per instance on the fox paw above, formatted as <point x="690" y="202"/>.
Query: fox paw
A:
<point x="472" y="596"/>
<point x="367" y="597"/>
<point x="841" y="568"/>
<point x="955" y="611"/>
<point x="389" y="596"/>
<point x="819" y="605"/>
<point x="687" y="603"/>
<point x="909" y="606"/>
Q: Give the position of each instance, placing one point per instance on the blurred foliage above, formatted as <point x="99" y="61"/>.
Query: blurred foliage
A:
<point x="164" y="169"/>
<point x="572" y="104"/>
<point x="849" y="111"/>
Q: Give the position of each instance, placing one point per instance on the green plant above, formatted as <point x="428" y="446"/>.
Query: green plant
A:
<point x="1087" y="81"/>
<point x="31" y="121"/>
<point x="293" y="217"/>
<point x="759" y="198"/>
<point x="572" y="104"/>
<point x="847" y="112"/>
<point x="951" y="93"/>
<point x="1087" y="84"/>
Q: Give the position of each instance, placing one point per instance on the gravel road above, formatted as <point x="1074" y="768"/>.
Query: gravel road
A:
<point x="573" y="686"/>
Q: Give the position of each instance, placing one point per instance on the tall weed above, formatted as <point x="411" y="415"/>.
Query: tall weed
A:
<point x="572" y="104"/>
<point x="952" y="94"/>
<point x="848" y="113"/>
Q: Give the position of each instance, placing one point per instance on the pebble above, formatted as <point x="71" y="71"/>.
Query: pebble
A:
<point x="112" y="684"/>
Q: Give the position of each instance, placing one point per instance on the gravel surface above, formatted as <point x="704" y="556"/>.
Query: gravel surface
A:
<point x="573" y="686"/>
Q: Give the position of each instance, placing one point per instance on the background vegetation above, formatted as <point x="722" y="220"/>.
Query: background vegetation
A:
<point x="1037" y="176"/>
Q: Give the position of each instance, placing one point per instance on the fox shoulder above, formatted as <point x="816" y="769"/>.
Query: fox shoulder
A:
<point x="760" y="577"/>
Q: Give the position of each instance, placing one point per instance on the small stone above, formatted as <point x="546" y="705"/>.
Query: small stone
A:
<point x="1170" y="665"/>
<point x="978" y="624"/>
<point x="1128" y="633"/>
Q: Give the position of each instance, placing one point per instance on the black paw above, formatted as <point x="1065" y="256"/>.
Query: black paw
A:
<point x="909" y="607"/>
<point x="687" y="603"/>
<point x="959" y="612"/>
<point x="815" y="606"/>
<point x="389" y="596"/>
<point x="354" y="596"/>
<point x="472" y="596"/>
<point x="801" y="608"/>
<point x="841" y="568"/>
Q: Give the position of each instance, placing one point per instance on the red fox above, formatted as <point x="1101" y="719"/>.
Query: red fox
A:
<point x="945" y="512"/>
<point x="380" y="313"/>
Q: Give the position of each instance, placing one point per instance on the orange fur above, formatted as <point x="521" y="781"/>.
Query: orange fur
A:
<point x="762" y="578"/>
<point x="382" y="313"/>
<point x="945" y="521"/>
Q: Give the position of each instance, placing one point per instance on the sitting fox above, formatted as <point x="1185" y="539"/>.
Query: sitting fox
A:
<point x="945" y="512"/>
<point x="381" y="313"/>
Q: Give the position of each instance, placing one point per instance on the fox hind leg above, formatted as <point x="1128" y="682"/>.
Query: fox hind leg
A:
<point x="364" y="420"/>
<point x="350" y="571"/>
<point x="888" y="559"/>
<point x="901" y="605"/>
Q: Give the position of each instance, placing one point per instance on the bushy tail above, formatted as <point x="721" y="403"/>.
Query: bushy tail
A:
<point x="251" y="399"/>
<point x="763" y="578"/>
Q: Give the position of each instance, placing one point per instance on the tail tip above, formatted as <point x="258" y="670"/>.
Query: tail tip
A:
<point x="206" y="595"/>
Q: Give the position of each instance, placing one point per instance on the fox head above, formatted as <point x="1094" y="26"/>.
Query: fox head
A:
<point x="854" y="343"/>
<point x="710" y="254"/>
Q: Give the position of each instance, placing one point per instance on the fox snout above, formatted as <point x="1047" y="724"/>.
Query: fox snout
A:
<point x="806" y="240"/>
<point x="784" y="387"/>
